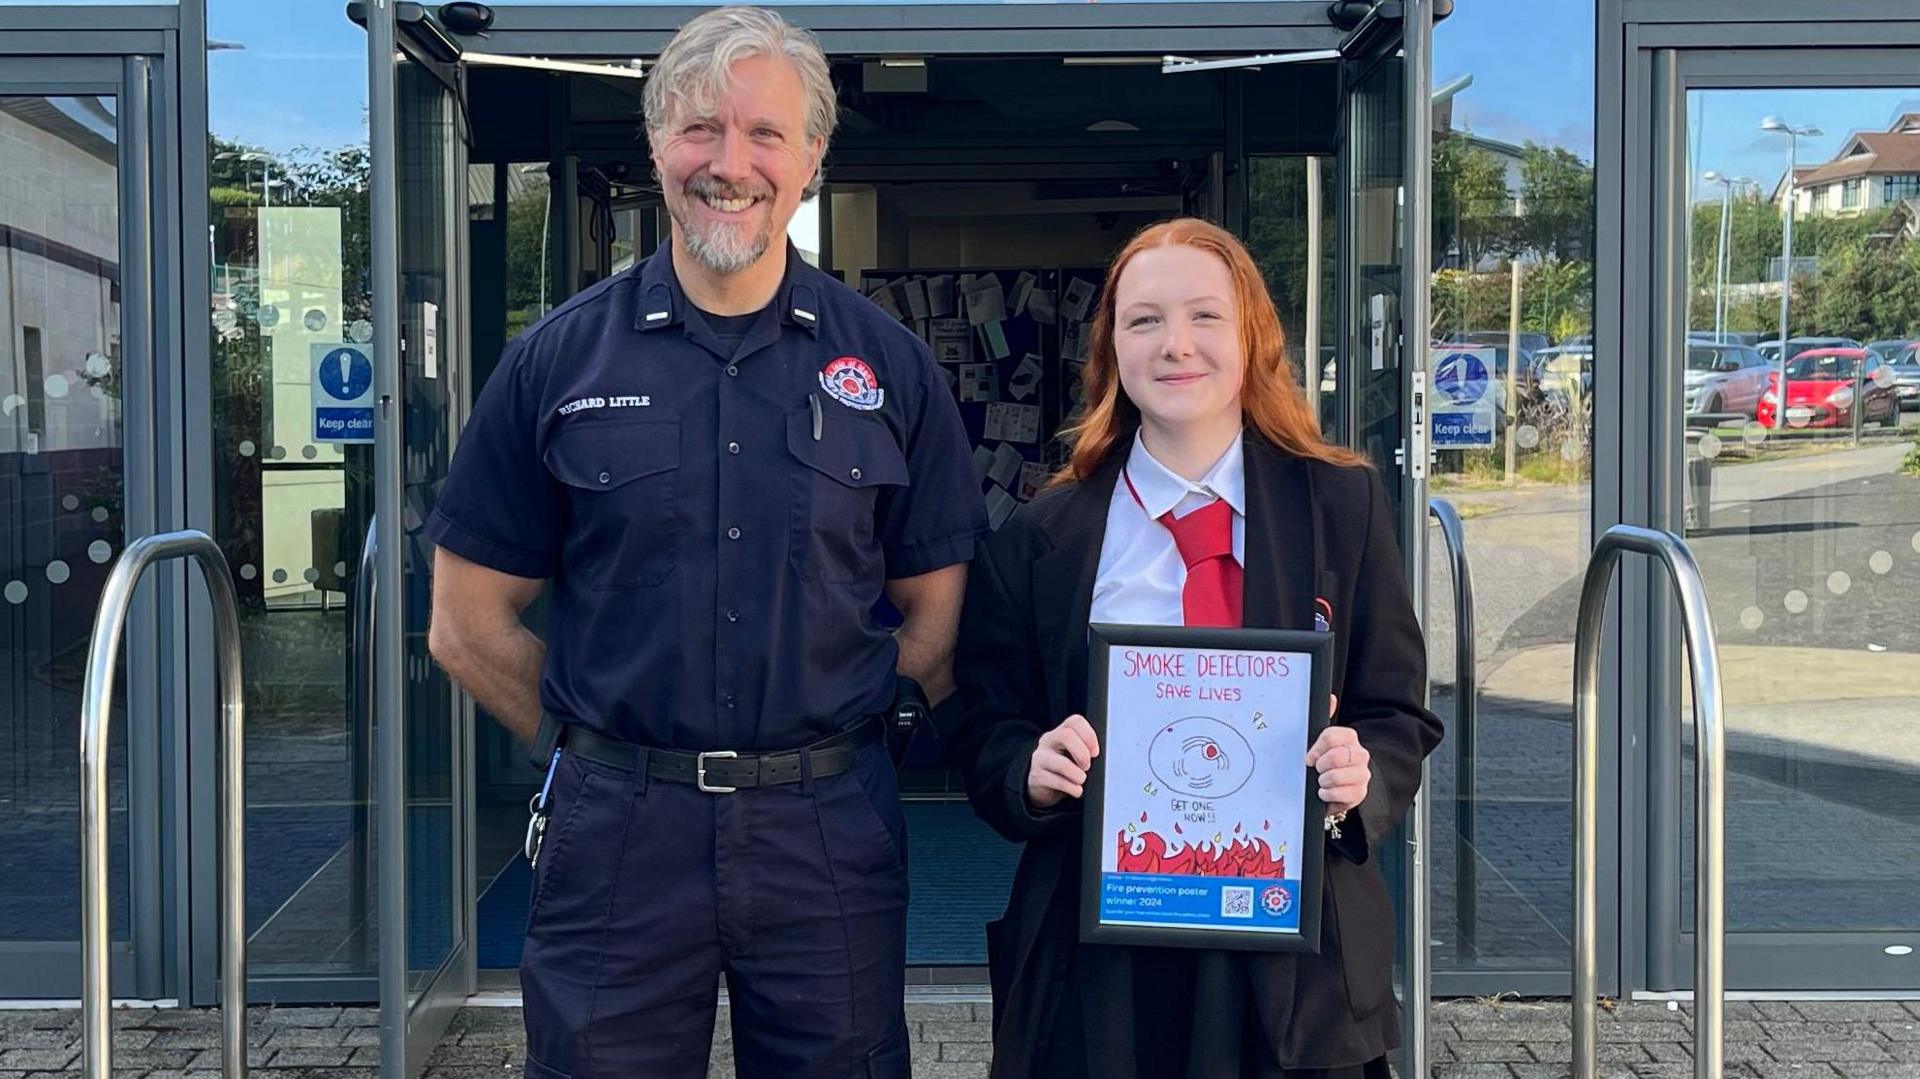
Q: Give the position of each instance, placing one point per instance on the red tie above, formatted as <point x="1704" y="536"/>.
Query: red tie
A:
<point x="1212" y="595"/>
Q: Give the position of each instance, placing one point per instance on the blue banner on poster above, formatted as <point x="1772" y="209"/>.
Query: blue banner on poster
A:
<point x="1157" y="899"/>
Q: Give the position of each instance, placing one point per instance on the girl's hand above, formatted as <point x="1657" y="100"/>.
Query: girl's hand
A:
<point x="1342" y="763"/>
<point x="1060" y="762"/>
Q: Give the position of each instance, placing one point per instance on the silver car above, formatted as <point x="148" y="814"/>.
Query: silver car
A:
<point x="1905" y="366"/>
<point x="1723" y="379"/>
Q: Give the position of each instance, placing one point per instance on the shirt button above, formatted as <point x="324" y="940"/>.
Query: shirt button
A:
<point x="729" y="699"/>
<point x="733" y="615"/>
<point x="733" y="533"/>
<point x="733" y="447"/>
<point x="606" y="477"/>
<point x="733" y="369"/>
<point x="855" y="473"/>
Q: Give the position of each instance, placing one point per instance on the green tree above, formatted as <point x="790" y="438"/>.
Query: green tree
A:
<point x="1472" y="208"/>
<point x="1556" y="201"/>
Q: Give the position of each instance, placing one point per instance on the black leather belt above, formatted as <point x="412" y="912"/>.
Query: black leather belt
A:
<point x="725" y="771"/>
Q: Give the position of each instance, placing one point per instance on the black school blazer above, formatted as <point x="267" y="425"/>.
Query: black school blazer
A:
<point x="1313" y="530"/>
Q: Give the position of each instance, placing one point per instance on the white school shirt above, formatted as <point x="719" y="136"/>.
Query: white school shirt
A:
<point x="1141" y="573"/>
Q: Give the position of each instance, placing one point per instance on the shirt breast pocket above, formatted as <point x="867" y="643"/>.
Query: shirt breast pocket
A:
<point x="620" y="478"/>
<point x="838" y="481"/>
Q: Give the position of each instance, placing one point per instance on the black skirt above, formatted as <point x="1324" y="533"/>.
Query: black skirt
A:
<point x="1189" y="1020"/>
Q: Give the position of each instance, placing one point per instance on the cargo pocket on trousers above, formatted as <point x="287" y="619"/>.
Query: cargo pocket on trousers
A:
<point x="890" y="1059"/>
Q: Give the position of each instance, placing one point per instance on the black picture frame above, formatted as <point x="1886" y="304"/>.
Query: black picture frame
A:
<point x="1268" y="934"/>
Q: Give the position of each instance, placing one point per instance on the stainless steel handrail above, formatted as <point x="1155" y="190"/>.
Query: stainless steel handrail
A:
<point x="365" y="591"/>
<point x="96" y="708"/>
<point x="1466" y="707"/>
<point x="1710" y="766"/>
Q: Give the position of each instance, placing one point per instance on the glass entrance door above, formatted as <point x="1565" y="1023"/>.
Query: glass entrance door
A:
<point x="1784" y="317"/>
<point x="423" y="726"/>
<point x="76" y="351"/>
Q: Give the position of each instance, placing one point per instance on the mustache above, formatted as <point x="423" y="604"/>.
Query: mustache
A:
<point x="707" y="187"/>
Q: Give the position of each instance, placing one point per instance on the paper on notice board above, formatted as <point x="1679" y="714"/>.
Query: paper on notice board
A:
<point x="1033" y="476"/>
<point x="916" y="290"/>
<point x="952" y="340"/>
<point x="985" y="300"/>
<point x="993" y="335"/>
<point x="882" y="296"/>
<point x="1006" y="464"/>
<point x="940" y="296"/>
<point x="1000" y="506"/>
<point x="977" y="383"/>
<point x="1022" y="289"/>
<point x="983" y="459"/>
<point x="1013" y="423"/>
<point x="1040" y="305"/>
<point x="1026" y="377"/>
<point x="1076" y="300"/>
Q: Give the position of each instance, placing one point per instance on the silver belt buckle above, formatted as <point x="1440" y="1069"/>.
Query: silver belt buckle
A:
<point x="700" y="771"/>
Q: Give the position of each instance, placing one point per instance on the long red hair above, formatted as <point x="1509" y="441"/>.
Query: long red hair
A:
<point x="1270" y="396"/>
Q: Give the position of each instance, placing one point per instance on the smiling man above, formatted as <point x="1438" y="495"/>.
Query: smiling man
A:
<point x="719" y="461"/>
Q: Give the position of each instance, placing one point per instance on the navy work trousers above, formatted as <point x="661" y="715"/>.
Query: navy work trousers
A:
<point x="646" y="891"/>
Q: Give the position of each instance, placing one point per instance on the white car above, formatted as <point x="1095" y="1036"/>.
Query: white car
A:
<point x="1725" y="379"/>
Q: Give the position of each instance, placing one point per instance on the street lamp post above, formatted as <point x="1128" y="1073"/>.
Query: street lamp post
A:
<point x="1775" y="124"/>
<point x="1723" y="257"/>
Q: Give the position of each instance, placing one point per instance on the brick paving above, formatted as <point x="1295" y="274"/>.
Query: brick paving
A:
<point x="1472" y="1039"/>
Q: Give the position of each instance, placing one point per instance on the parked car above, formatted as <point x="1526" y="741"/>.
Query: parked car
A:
<point x="1726" y="337"/>
<point x="1558" y="370"/>
<point x="1822" y="385"/>
<point x="1770" y="348"/>
<point x="1530" y="341"/>
<point x="1891" y="347"/>
<point x="1725" y="378"/>
<point x="1906" y="377"/>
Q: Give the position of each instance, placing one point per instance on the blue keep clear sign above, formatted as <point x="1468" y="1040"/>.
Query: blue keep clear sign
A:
<point x="342" y="392"/>
<point x="1463" y="398"/>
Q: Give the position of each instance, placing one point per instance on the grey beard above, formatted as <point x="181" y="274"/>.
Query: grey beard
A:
<point x="719" y="251"/>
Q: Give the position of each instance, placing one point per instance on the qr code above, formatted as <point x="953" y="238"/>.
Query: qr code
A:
<point x="1236" y="902"/>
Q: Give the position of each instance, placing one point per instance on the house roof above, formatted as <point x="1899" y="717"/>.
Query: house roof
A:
<point x="1871" y="154"/>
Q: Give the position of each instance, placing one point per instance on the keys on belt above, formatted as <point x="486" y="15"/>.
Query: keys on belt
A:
<point x="539" y="808"/>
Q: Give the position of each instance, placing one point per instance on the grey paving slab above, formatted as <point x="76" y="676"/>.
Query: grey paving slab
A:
<point x="1472" y="1038"/>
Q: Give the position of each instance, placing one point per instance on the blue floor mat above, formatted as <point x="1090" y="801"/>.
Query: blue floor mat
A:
<point x="959" y="874"/>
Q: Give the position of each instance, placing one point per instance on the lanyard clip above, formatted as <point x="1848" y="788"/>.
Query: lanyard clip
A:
<point x="539" y="808"/>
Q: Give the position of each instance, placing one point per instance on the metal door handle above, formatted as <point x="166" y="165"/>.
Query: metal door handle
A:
<point x="96" y="710"/>
<point x="1710" y="784"/>
<point x="1466" y="708"/>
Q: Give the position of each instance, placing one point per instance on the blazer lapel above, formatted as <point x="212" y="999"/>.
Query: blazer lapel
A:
<point x="1282" y="548"/>
<point x="1062" y="586"/>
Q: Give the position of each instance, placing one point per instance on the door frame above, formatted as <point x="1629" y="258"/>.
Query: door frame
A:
<point x="1654" y="53"/>
<point x="131" y="54"/>
<point x="412" y="1018"/>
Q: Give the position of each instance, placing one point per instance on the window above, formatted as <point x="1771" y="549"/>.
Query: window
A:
<point x="1895" y="188"/>
<point x="36" y="379"/>
<point x="1850" y="194"/>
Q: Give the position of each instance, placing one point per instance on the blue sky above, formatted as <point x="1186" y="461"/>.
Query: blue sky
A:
<point x="1532" y="68"/>
<point x="1724" y="128"/>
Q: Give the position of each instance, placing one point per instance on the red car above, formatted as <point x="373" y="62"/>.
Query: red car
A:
<point x="1822" y="384"/>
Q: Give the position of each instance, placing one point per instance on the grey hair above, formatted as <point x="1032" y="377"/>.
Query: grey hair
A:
<point x="693" y="69"/>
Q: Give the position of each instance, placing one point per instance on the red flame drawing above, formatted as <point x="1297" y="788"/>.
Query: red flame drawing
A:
<point x="1148" y="852"/>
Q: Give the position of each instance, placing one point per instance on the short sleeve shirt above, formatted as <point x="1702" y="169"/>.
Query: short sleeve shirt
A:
<point x="717" y="523"/>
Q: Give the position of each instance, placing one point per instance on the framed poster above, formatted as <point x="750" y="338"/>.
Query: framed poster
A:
<point x="1203" y="822"/>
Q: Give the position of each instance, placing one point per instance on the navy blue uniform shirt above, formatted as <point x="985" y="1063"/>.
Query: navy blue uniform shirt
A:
<point x="717" y="523"/>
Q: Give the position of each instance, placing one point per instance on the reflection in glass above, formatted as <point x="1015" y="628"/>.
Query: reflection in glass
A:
<point x="1804" y="507"/>
<point x="289" y="288"/>
<point x="62" y="497"/>
<point x="1512" y="361"/>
